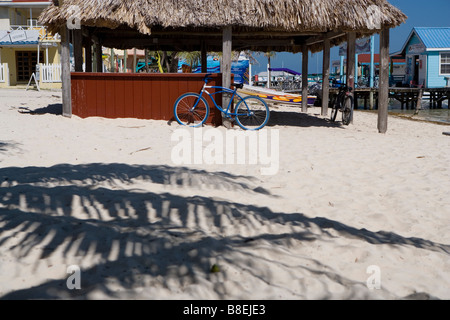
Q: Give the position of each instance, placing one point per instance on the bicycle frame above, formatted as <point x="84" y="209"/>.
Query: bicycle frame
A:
<point x="223" y="90"/>
<point x="343" y="91"/>
<point x="193" y="109"/>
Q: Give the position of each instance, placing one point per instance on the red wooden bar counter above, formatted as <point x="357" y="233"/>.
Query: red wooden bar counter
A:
<point x="137" y="95"/>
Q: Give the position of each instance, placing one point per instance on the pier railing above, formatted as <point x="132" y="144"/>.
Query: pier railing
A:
<point x="409" y="98"/>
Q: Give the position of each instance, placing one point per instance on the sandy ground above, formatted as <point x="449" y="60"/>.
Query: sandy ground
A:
<point x="342" y="212"/>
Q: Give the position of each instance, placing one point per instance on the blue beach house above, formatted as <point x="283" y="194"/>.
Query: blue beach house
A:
<point x="427" y="54"/>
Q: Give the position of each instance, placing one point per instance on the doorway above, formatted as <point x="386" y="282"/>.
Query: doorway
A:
<point x="416" y="69"/>
<point x="26" y="64"/>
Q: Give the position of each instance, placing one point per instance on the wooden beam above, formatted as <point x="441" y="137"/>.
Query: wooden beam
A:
<point x="326" y="76"/>
<point x="147" y="69"/>
<point x="351" y="47"/>
<point x="65" y="73"/>
<point x="112" y="59"/>
<point x="125" y="60"/>
<point x="226" y="67"/>
<point x="304" y="78"/>
<point x="321" y="37"/>
<point x="88" y="54"/>
<point x="204" y="58"/>
<point x="182" y="33"/>
<point x="77" y="42"/>
<point x="351" y="62"/>
<point x="383" y="88"/>
<point x="99" y="56"/>
<point x="134" y="60"/>
<point x="193" y="44"/>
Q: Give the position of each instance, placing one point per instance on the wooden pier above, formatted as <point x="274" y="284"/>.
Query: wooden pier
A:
<point x="408" y="97"/>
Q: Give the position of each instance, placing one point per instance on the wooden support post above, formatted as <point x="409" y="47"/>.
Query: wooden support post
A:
<point x="305" y="78"/>
<point x="226" y="68"/>
<point x="99" y="56"/>
<point x="88" y="53"/>
<point x="125" y="60"/>
<point x="351" y="42"/>
<point x="432" y="100"/>
<point x="77" y="41"/>
<point x="134" y="60"/>
<point x="419" y="102"/>
<point x="111" y="62"/>
<point x="371" y="98"/>
<point x="326" y="76"/>
<point x="383" y="90"/>
<point x="204" y="58"/>
<point x="65" y="73"/>
<point x="147" y="69"/>
<point x="351" y="62"/>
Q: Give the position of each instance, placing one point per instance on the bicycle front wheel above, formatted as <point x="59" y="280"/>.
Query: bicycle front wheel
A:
<point x="191" y="109"/>
<point x="252" y="113"/>
<point x="347" y="113"/>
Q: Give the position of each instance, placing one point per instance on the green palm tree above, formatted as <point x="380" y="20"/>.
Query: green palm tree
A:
<point x="193" y="58"/>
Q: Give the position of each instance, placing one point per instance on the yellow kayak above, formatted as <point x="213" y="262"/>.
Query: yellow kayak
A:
<point x="275" y="96"/>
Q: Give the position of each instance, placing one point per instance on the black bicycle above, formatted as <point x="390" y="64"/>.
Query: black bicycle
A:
<point x="342" y="101"/>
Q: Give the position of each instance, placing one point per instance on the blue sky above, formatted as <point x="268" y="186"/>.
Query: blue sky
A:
<point x="421" y="13"/>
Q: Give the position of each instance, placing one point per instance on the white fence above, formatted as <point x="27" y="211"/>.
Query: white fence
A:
<point x="4" y="73"/>
<point x="50" y="73"/>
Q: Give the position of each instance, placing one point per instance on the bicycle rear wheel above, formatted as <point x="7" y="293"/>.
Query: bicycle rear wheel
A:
<point x="252" y="113"/>
<point x="191" y="110"/>
<point x="347" y="113"/>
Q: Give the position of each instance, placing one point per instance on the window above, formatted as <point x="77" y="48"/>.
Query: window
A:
<point x="445" y="63"/>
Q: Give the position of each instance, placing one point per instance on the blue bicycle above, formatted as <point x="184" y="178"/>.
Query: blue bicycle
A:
<point x="192" y="109"/>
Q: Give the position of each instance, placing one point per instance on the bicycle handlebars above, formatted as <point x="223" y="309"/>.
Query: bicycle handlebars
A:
<point x="207" y="78"/>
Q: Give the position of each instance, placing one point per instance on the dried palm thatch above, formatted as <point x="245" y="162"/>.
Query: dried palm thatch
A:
<point x="290" y="16"/>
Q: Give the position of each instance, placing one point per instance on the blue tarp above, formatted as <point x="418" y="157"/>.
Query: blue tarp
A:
<point x="240" y="68"/>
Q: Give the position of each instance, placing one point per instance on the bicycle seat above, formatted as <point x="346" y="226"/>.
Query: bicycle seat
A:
<point x="238" y="85"/>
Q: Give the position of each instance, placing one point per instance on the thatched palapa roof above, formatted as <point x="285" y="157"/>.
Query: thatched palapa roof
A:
<point x="294" y="21"/>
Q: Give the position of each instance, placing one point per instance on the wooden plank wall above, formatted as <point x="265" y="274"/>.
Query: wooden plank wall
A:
<point x="141" y="96"/>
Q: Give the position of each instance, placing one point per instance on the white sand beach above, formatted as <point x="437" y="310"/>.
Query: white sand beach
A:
<point x="346" y="205"/>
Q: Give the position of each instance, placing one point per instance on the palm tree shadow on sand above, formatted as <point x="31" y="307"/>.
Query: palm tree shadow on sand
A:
<point x="150" y="239"/>
<point x="4" y="146"/>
